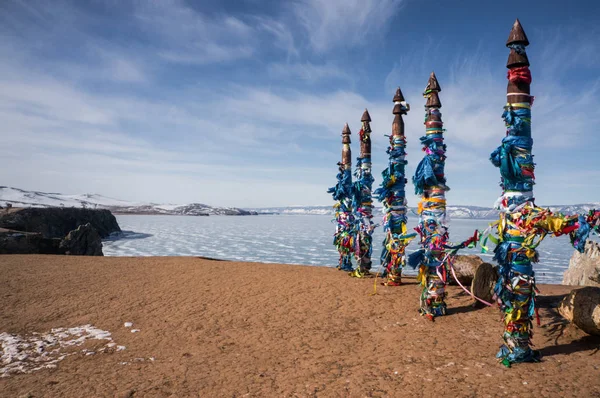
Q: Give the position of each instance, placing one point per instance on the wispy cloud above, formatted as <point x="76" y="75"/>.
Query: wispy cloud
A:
<point x="309" y="72"/>
<point x="185" y="35"/>
<point x="280" y="31"/>
<point x="344" y="22"/>
<point x="113" y="116"/>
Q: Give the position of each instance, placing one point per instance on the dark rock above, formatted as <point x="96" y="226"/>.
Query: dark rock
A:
<point x="56" y="222"/>
<point x="84" y="241"/>
<point x="16" y="242"/>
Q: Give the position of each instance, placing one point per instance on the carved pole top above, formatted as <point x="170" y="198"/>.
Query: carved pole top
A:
<point x="517" y="35"/>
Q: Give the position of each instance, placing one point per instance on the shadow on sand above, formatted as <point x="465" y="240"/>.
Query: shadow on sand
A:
<point x="586" y="343"/>
<point x="465" y="308"/>
<point x="557" y="326"/>
<point x="461" y="310"/>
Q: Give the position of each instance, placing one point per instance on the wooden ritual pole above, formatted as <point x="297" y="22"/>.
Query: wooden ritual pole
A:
<point x="363" y="206"/>
<point x="522" y="224"/>
<point x="516" y="288"/>
<point x="343" y="193"/>
<point x="393" y="197"/>
<point x="430" y="182"/>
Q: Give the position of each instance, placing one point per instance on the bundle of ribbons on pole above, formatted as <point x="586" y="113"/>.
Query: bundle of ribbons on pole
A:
<point x="522" y="225"/>
<point x="343" y="194"/>
<point x="392" y="195"/>
<point x="363" y="201"/>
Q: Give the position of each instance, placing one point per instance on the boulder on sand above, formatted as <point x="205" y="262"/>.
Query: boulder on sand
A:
<point x="584" y="268"/>
<point x="83" y="241"/>
<point x="582" y="308"/>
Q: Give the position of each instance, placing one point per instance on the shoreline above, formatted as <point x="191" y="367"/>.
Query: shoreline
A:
<point x="227" y="328"/>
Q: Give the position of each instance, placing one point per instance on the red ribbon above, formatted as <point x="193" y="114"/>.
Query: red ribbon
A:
<point x="521" y="74"/>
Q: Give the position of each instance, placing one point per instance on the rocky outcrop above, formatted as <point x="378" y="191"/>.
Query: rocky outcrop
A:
<point x="83" y="241"/>
<point x="465" y="267"/>
<point x="582" y="308"/>
<point x="199" y="209"/>
<point x="41" y="230"/>
<point x="584" y="268"/>
<point x="57" y="222"/>
<point x="17" y="242"/>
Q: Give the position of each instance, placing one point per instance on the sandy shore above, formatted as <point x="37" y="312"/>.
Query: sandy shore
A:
<point x="228" y="329"/>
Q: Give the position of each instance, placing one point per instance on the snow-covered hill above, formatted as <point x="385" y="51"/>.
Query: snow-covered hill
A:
<point x="22" y="198"/>
<point x="462" y="212"/>
<point x="453" y="211"/>
<point x="299" y="210"/>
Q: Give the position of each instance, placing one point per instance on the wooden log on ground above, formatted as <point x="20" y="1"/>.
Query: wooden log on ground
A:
<point x="465" y="267"/>
<point x="582" y="308"/>
<point x="483" y="283"/>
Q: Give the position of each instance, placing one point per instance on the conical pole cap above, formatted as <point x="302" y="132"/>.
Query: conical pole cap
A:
<point x="433" y="84"/>
<point x="517" y="34"/>
<point x="346" y="129"/>
<point x="399" y="97"/>
<point x="433" y="100"/>
<point x="516" y="59"/>
<point x="365" y="116"/>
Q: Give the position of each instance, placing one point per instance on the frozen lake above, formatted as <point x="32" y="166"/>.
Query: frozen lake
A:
<point x="288" y="239"/>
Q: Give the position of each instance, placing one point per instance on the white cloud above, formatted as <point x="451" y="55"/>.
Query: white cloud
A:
<point x="188" y="36"/>
<point x="250" y="144"/>
<point x="125" y="71"/>
<point x="184" y="35"/>
<point x="282" y="34"/>
<point x="52" y="101"/>
<point x="329" y="23"/>
<point x="309" y="72"/>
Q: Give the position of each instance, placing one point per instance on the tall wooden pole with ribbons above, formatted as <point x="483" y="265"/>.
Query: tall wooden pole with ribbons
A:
<point x="393" y="197"/>
<point x="363" y="201"/>
<point x="430" y="182"/>
<point x="516" y="287"/>
<point x="522" y="224"/>
<point x="343" y="193"/>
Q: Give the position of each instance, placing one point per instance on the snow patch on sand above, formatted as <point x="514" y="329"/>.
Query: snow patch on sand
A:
<point x="26" y="354"/>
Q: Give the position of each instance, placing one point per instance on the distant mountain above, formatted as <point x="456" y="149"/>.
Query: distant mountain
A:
<point x="298" y="210"/>
<point x="22" y="198"/>
<point x="199" y="209"/>
<point x="453" y="211"/>
<point x="462" y="212"/>
<point x="571" y="209"/>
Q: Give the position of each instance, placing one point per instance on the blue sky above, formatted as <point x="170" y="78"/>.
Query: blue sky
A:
<point x="241" y="103"/>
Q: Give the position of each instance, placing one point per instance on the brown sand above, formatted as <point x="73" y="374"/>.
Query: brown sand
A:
<point x="227" y="329"/>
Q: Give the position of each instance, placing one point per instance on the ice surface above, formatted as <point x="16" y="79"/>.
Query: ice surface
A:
<point x="286" y="239"/>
